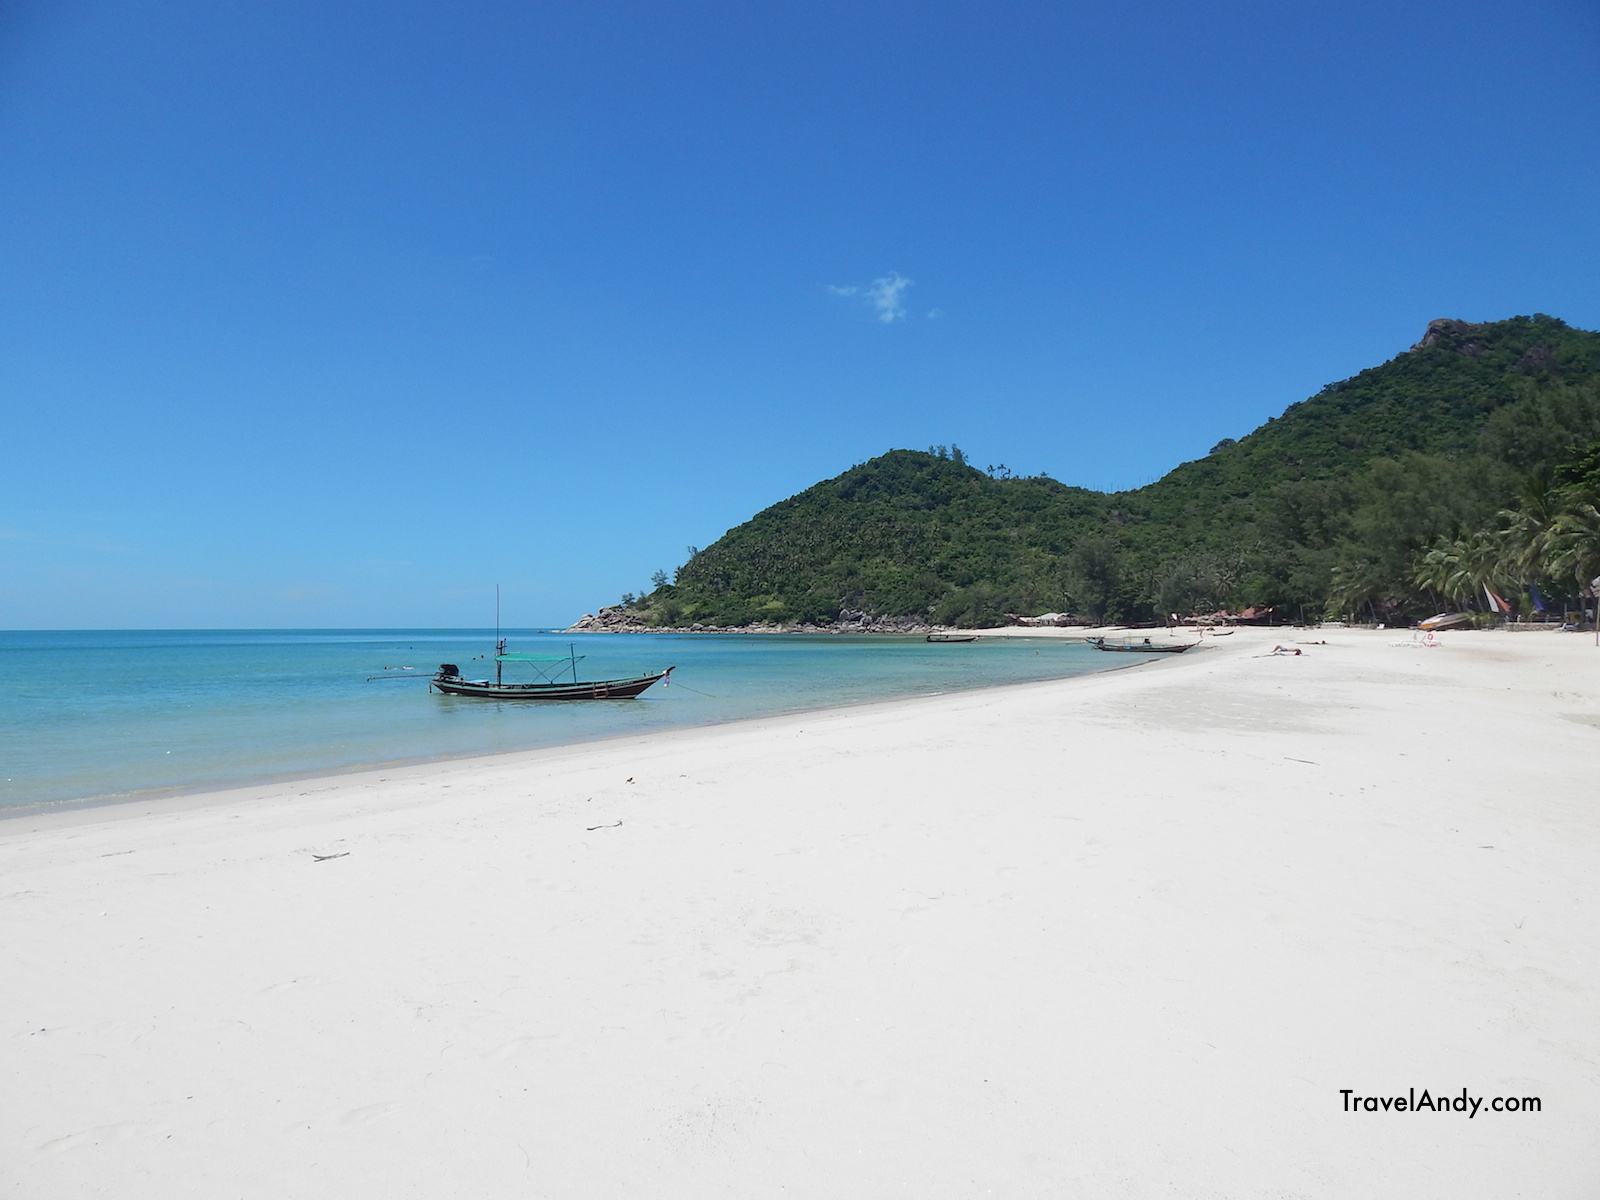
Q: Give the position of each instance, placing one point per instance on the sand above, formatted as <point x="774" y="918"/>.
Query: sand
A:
<point x="1121" y="936"/>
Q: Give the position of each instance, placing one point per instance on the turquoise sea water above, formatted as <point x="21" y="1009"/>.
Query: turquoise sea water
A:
<point x="99" y="714"/>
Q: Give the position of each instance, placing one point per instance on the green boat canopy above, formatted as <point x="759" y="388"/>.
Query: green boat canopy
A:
<point x="515" y="656"/>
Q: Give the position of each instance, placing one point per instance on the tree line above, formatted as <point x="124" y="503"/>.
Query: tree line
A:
<point x="1465" y="463"/>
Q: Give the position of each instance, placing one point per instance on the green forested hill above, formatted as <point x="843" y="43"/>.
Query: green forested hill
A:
<point x="1326" y="508"/>
<point x="900" y="535"/>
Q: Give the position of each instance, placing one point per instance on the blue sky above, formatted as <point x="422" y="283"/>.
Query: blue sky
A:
<point x="338" y="314"/>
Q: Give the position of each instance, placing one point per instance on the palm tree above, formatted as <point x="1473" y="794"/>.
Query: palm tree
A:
<point x="1439" y="571"/>
<point x="1573" y="541"/>
<point x="1528" y="526"/>
<point x="1460" y="569"/>
<point x="1355" y="584"/>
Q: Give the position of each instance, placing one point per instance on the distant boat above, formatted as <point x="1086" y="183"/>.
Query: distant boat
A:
<point x="952" y="637"/>
<point x="1144" y="647"/>
<point x="450" y="682"/>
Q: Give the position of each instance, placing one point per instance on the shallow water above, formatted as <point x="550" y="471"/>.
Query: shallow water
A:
<point x="91" y="714"/>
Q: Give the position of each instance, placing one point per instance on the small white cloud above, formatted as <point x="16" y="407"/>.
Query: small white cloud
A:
<point x="883" y="294"/>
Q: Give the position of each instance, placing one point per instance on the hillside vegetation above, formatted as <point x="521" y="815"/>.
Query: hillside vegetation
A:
<point x="1332" y="508"/>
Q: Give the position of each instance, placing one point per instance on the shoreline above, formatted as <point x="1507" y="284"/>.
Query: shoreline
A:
<point x="205" y="794"/>
<point x="1127" y="933"/>
<point x="11" y="812"/>
<point x="852" y="625"/>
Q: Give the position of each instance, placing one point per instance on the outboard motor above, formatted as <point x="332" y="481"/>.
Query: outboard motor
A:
<point x="449" y="671"/>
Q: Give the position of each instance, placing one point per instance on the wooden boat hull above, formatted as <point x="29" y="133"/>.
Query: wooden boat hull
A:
<point x="952" y="637"/>
<point x="1141" y="648"/>
<point x="600" y="689"/>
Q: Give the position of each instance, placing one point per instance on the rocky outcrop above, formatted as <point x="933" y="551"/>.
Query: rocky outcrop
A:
<point x="854" y="621"/>
<point x="1446" y="328"/>
<point x="1456" y="335"/>
<point x="615" y="619"/>
<point x="1536" y="360"/>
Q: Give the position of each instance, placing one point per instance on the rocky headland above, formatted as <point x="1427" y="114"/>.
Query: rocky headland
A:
<point x="618" y="618"/>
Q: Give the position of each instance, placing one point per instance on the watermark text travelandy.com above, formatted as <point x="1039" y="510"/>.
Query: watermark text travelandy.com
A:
<point x="1428" y="1102"/>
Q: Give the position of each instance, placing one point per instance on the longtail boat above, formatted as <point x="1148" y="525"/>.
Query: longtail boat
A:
<point x="449" y="680"/>
<point x="952" y="637"/>
<point x="1144" y="647"/>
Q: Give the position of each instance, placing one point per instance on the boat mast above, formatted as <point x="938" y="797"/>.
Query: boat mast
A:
<point x="499" y="642"/>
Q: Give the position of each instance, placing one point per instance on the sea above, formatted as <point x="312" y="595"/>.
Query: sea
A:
<point x="89" y="716"/>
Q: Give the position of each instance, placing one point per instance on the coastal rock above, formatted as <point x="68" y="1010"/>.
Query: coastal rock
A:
<point x="617" y="619"/>
<point x="613" y="619"/>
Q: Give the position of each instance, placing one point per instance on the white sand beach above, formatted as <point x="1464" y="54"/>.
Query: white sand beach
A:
<point x="1127" y="935"/>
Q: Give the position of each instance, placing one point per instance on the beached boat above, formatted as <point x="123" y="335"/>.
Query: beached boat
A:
<point x="547" y="687"/>
<point x="952" y="637"/>
<point x="1144" y="647"/>
<point x="1445" y="621"/>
